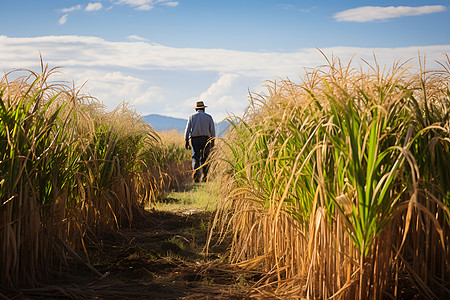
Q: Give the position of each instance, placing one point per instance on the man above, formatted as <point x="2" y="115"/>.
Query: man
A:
<point x="200" y="130"/>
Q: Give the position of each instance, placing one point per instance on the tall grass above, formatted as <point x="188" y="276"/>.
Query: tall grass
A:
<point x="173" y="160"/>
<point x="338" y="187"/>
<point x="69" y="170"/>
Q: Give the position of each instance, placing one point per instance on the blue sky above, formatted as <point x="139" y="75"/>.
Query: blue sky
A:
<point x="162" y="56"/>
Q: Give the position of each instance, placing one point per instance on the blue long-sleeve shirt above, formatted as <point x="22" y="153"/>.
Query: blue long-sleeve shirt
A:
<point x="200" y="124"/>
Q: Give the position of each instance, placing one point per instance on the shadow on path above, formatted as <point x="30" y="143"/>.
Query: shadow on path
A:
<point x="160" y="257"/>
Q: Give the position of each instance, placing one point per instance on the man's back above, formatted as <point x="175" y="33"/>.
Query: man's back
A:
<point x="200" y="124"/>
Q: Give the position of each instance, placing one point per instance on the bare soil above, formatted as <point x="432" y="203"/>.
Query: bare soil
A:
<point x="161" y="256"/>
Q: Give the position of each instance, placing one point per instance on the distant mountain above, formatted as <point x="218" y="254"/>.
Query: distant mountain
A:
<point x="164" y="123"/>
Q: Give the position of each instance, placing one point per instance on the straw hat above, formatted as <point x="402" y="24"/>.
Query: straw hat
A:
<point x="200" y="105"/>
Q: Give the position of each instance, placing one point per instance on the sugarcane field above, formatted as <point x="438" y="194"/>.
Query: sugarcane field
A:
<point x="335" y="186"/>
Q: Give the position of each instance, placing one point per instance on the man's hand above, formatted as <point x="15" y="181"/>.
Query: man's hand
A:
<point x="187" y="146"/>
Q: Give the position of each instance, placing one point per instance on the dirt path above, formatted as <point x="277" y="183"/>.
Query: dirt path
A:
<point x="160" y="257"/>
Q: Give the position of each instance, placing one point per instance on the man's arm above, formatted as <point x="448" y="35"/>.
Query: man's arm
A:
<point x="187" y="132"/>
<point x="212" y="128"/>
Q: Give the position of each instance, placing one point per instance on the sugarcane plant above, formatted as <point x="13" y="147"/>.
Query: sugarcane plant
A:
<point x="332" y="185"/>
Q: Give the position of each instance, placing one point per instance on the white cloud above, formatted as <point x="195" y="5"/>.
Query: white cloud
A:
<point x="136" y="38"/>
<point x="144" y="7"/>
<point x="307" y="10"/>
<point x="63" y="19"/>
<point x="224" y="96"/>
<point x="90" y="7"/>
<point x="116" y="87"/>
<point x="377" y="13"/>
<point x="138" y="4"/>
<point x="85" y="51"/>
<point x="118" y="71"/>
<point x="152" y="95"/>
<point x="171" y="3"/>
<point x="146" y="4"/>
<point x="70" y="9"/>
<point x="93" y="6"/>
<point x="220" y="87"/>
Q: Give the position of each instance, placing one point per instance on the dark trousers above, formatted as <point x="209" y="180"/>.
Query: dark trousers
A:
<point x="200" y="152"/>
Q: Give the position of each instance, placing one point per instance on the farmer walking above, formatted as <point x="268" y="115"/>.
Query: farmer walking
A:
<point x="200" y="130"/>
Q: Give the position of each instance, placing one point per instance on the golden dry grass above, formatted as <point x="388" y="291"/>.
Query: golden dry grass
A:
<point x="69" y="170"/>
<point x="338" y="186"/>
